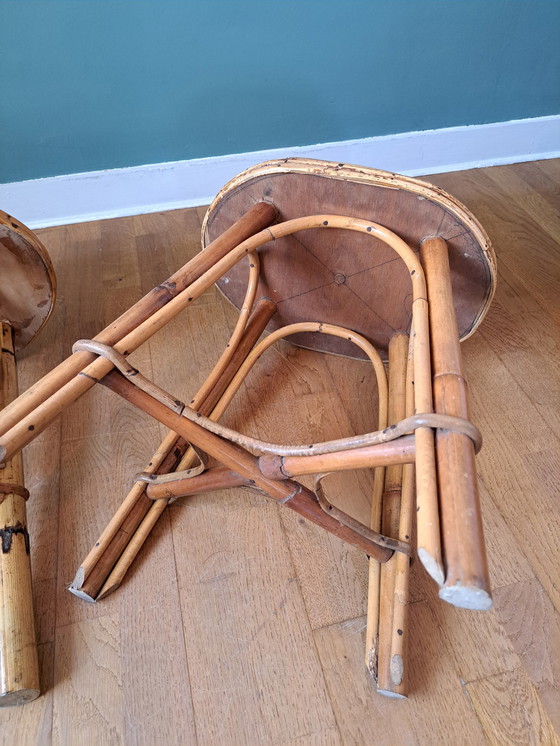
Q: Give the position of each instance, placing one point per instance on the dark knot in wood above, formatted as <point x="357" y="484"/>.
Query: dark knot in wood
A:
<point x="7" y="533"/>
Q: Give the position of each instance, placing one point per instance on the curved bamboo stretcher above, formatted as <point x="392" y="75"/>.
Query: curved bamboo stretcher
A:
<point x="392" y="276"/>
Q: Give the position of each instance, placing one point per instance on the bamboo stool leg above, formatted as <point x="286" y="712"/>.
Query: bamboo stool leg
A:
<point x="374" y="578"/>
<point x="399" y="630"/>
<point x="374" y="568"/>
<point x="428" y="536"/>
<point x="466" y="583"/>
<point x="390" y="667"/>
<point x="19" y="666"/>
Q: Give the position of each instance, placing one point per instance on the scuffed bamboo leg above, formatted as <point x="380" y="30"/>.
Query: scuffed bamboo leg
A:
<point x="19" y="666"/>
<point x="115" y="577"/>
<point x="374" y="568"/>
<point x="390" y="667"/>
<point x="399" y="631"/>
<point x="428" y="534"/>
<point x="374" y="578"/>
<point x="105" y="566"/>
<point x="466" y="583"/>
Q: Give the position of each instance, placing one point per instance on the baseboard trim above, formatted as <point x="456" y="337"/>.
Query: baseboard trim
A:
<point x="97" y="195"/>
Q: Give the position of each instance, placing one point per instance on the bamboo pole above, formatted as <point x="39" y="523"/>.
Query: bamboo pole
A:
<point x="50" y="386"/>
<point x="374" y="568"/>
<point x="399" y="632"/>
<point x="114" y="551"/>
<point x="395" y="452"/>
<point x="389" y="668"/>
<point x="217" y="478"/>
<point x="210" y="384"/>
<point x="466" y="583"/>
<point x="428" y="537"/>
<point x="374" y="576"/>
<point x="19" y="665"/>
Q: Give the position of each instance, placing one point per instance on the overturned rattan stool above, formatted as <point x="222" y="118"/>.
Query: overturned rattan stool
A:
<point x="345" y="260"/>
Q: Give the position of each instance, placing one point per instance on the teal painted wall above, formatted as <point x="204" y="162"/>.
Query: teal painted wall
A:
<point x="94" y="84"/>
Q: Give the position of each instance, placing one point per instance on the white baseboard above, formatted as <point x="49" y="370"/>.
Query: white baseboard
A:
<point x="76" y="198"/>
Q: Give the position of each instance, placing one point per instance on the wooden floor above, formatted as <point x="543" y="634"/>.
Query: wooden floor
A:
<point x="241" y="623"/>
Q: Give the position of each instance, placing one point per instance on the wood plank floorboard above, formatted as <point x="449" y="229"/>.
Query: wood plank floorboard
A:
<point x="241" y="623"/>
